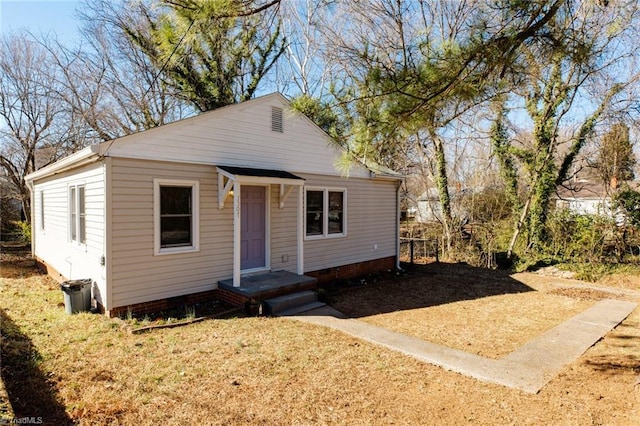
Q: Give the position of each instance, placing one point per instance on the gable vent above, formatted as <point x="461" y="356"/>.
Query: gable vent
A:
<point x="276" y="120"/>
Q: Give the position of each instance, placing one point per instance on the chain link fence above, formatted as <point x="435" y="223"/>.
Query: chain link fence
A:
<point x="419" y="250"/>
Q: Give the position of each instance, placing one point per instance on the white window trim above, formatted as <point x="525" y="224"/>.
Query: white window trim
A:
<point x="325" y="213"/>
<point x="76" y="224"/>
<point x="195" y="222"/>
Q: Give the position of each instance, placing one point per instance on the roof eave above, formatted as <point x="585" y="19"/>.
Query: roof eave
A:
<point x="64" y="164"/>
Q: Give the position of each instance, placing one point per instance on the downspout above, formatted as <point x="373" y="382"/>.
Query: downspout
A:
<point x="32" y="214"/>
<point x="398" y="186"/>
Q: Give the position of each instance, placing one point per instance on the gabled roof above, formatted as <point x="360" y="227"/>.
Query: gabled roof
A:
<point x="583" y="190"/>
<point x="588" y="190"/>
<point x="236" y="136"/>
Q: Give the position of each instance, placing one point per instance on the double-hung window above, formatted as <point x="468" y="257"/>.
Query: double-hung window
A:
<point x="77" y="214"/>
<point x="325" y="213"/>
<point x="176" y="216"/>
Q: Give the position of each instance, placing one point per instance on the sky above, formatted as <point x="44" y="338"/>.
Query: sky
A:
<point x="41" y="17"/>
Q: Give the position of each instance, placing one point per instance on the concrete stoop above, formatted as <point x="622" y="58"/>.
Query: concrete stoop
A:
<point x="291" y="304"/>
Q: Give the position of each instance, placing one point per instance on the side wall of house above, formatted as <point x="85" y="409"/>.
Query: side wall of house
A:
<point x="53" y="245"/>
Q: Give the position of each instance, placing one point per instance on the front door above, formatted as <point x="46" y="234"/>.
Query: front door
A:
<point x="253" y="227"/>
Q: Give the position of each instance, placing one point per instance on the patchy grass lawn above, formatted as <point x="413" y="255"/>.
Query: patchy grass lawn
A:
<point x="86" y="368"/>
<point x="487" y="313"/>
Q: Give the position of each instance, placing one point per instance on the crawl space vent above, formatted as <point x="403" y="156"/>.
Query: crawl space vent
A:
<point x="276" y="119"/>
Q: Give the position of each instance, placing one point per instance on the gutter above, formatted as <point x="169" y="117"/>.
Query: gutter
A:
<point x="80" y="158"/>
<point x="398" y="186"/>
<point x="33" y="217"/>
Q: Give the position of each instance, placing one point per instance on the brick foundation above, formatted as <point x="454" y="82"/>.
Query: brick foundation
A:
<point x="231" y="298"/>
<point x="326" y="276"/>
<point x="163" y="304"/>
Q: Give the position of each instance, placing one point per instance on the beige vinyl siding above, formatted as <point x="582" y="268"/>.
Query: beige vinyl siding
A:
<point x="371" y="224"/>
<point x="240" y="135"/>
<point x="137" y="274"/>
<point x="283" y="231"/>
<point x="53" y="244"/>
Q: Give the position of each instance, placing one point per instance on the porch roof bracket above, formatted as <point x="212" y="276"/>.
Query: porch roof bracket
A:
<point x="284" y="194"/>
<point x="224" y="188"/>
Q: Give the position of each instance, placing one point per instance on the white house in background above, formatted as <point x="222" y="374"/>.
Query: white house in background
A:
<point x="173" y="210"/>
<point x="428" y="208"/>
<point x="585" y="197"/>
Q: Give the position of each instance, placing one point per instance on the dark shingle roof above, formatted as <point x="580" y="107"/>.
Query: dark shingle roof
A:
<point x="247" y="171"/>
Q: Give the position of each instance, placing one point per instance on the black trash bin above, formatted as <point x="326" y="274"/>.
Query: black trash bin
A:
<point x="77" y="295"/>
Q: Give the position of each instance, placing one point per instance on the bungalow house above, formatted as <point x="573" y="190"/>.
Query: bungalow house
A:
<point x="584" y="197"/>
<point x="169" y="213"/>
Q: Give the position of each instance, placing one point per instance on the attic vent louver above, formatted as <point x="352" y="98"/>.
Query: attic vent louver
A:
<point x="276" y="120"/>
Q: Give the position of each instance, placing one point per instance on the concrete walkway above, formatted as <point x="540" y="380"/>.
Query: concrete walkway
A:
<point x="529" y="368"/>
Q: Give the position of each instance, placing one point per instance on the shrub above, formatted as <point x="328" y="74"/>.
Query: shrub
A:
<point x="578" y="237"/>
<point x="25" y="231"/>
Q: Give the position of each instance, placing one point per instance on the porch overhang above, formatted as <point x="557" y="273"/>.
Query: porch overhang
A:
<point x="228" y="176"/>
<point x="231" y="178"/>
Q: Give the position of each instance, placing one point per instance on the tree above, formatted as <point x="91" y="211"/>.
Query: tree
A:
<point x="38" y="126"/>
<point x="211" y="52"/>
<point x="628" y="201"/>
<point x="417" y="67"/>
<point x="302" y="68"/>
<point x="579" y="53"/>
<point x="615" y="160"/>
<point x="112" y="84"/>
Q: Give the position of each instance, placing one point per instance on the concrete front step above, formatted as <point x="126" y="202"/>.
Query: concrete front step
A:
<point x="300" y="309"/>
<point x="278" y="304"/>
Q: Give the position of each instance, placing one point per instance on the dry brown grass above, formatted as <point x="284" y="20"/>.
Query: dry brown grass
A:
<point x="277" y="371"/>
<point x="491" y="326"/>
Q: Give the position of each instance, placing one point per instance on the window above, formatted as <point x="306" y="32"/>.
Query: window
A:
<point x="42" y="210"/>
<point x="175" y="216"/>
<point x="77" y="214"/>
<point x="325" y="213"/>
<point x="336" y="212"/>
<point x="315" y="213"/>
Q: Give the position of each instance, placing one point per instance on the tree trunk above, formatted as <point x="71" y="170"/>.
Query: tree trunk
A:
<point x="518" y="228"/>
<point x="25" y="198"/>
<point x="442" y="184"/>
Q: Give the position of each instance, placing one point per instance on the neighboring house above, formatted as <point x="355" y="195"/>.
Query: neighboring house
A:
<point x="585" y="197"/>
<point x="429" y="209"/>
<point x="173" y="210"/>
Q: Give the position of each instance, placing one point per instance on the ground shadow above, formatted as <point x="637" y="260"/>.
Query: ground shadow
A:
<point x="421" y="286"/>
<point x="30" y="392"/>
<point x="625" y="353"/>
<point x="614" y="363"/>
<point x="17" y="262"/>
